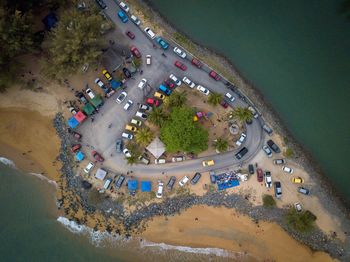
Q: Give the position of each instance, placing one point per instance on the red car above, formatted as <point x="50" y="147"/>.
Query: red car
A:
<point x="214" y="75"/>
<point x="169" y="83"/>
<point x="152" y="102"/>
<point x="196" y="62"/>
<point x="180" y="65"/>
<point x="135" y="51"/>
<point x="260" y="175"/>
<point x="223" y="103"/>
<point x="130" y="34"/>
<point x="75" y="148"/>
<point x="97" y="156"/>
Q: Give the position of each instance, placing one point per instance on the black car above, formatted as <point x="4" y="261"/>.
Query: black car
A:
<point x="304" y="190"/>
<point x="126" y="72"/>
<point x="251" y="169"/>
<point x="101" y="4"/>
<point x="241" y="153"/>
<point x="273" y="146"/>
<point x="119" y="145"/>
<point x="171" y="183"/>
<point x="278" y="189"/>
<point x="119" y="182"/>
<point x="196" y="178"/>
<point x="212" y="177"/>
<point x="81" y="97"/>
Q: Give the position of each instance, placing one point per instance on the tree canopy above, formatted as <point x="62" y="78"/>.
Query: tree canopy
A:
<point x="241" y="114"/>
<point x="181" y="133"/>
<point x="214" y="98"/>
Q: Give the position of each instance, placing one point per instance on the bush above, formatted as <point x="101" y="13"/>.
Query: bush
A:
<point x="289" y="152"/>
<point x="268" y="201"/>
<point x="301" y="222"/>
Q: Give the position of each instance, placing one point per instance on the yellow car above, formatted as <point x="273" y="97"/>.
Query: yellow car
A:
<point x="159" y="95"/>
<point x="131" y="128"/>
<point x="208" y="163"/>
<point x="107" y="75"/>
<point x="297" y="180"/>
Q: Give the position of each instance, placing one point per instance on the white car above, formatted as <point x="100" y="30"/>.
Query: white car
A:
<point x="145" y="108"/>
<point x="126" y="152"/>
<point x="203" y="90"/>
<point x="128" y="105"/>
<point x="124" y="7"/>
<point x="141" y="115"/>
<point x="298" y="207"/>
<point x="150" y="33"/>
<point x="268" y="179"/>
<point x="174" y="78"/>
<point x="142" y="83"/>
<point x="178" y="159"/>
<point x="267" y="151"/>
<point x="188" y="82"/>
<point x="89" y="92"/>
<point x="135" y="20"/>
<point x="230" y="97"/>
<point x="148" y="59"/>
<point x="252" y="109"/>
<point x="127" y="136"/>
<point x="179" y="52"/>
<point x="241" y="139"/>
<point x="287" y="169"/>
<point x="183" y="181"/>
<point x="88" y="168"/>
<point x="121" y="97"/>
<point x="160" y="189"/>
<point x="99" y="83"/>
<point x="160" y="161"/>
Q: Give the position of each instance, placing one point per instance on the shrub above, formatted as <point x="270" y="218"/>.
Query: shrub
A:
<point x="289" y="152"/>
<point x="301" y="222"/>
<point x="268" y="201"/>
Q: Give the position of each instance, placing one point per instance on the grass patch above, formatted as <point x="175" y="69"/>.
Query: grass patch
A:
<point x="268" y="201"/>
<point x="289" y="152"/>
<point x="302" y="222"/>
<point x="182" y="191"/>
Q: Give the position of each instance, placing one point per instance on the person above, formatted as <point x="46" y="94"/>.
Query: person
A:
<point x="163" y="55"/>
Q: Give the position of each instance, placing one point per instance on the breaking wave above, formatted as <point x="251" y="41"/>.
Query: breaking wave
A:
<point x="7" y="162"/>
<point x="42" y="177"/>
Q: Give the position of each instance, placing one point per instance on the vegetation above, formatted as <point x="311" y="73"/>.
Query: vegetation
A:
<point x="214" y="98"/>
<point x="177" y="99"/>
<point x="289" y="152"/>
<point x="221" y="144"/>
<point x="241" y="114"/>
<point x="134" y="152"/>
<point x="181" y="133"/>
<point x="268" y="201"/>
<point x="301" y="222"/>
<point x="158" y="116"/>
<point x="144" y="136"/>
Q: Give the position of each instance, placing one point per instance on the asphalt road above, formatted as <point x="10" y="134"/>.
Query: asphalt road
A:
<point x="97" y="135"/>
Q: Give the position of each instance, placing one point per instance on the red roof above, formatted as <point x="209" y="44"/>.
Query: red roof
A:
<point x="80" y="116"/>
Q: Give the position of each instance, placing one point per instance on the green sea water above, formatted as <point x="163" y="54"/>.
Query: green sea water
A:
<point x="297" y="53"/>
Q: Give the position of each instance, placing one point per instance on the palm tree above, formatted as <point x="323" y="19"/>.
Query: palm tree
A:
<point x="214" y="98"/>
<point x="144" y="136"/>
<point x="158" y="116"/>
<point x="131" y="160"/>
<point x="221" y="144"/>
<point x="177" y="99"/>
<point x="134" y="152"/>
<point x="241" y="114"/>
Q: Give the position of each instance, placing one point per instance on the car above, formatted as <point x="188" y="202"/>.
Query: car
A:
<point x="97" y="156"/>
<point x="171" y="183"/>
<point x="252" y="109"/>
<point x="170" y="83"/>
<point x="165" y="90"/>
<point x="178" y="159"/>
<point x="212" y="177"/>
<point x="223" y="103"/>
<point x="159" y="161"/>
<point x="121" y="97"/>
<point x="76" y="135"/>
<point x="73" y="110"/>
<point x="88" y="168"/>
<point x="268" y="179"/>
<point x="107" y="75"/>
<point x="267" y="129"/>
<point x="123" y="17"/>
<point x="159" y="95"/>
<point x="144" y="160"/>
<point x="180" y="65"/>
<point x="150" y="33"/>
<point x="130" y="34"/>
<point x="119" y="182"/>
<point x="251" y="169"/>
<point x="179" y="52"/>
<point x="89" y="92"/>
<point x="152" y="102"/>
<point x="75" y="148"/>
<point x="241" y="153"/>
<point x="101" y="85"/>
<point x="214" y="75"/>
<point x="304" y="191"/>
<point x="148" y="59"/>
<point x="203" y="90"/>
<point x="127" y="135"/>
<point x="279" y="161"/>
<point x="135" y="51"/>
<point x="119" y="145"/>
<point x="135" y="20"/>
<point x="160" y="189"/>
<point x="101" y="4"/>
<point x="128" y="104"/>
<point x="208" y="163"/>
<point x="196" y="178"/>
<point x="145" y="107"/>
<point x="126" y="72"/>
<point x="241" y="139"/>
<point x="183" y="181"/>
<point x="297" y="180"/>
<point x="127" y="152"/>
<point x="188" y="82"/>
<point x="124" y="6"/>
<point x="141" y="115"/>
<point x="136" y="122"/>
<point x="259" y="175"/>
<point x="142" y="83"/>
<point x="267" y="151"/>
<point x="163" y="44"/>
<point x="107" y="183"/>
<point x="196" y="62"/>
<point x="278" y="189"/>
<point x="174" y="78"/>
<point x="287" y="169"/>
<point x="273" y="146"/>
<point x="230" y="97"/>
<point x="131" y="128"/>
<point x="298" y="207"/>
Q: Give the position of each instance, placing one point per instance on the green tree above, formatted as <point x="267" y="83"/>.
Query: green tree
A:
<point x="177" y="99"/>
<point x="221" y="144"/>
<point x="75" y="41"/>
<point x="214" y="98"/>
<point x="241" y="114"/>
<point x="144" y="136"/>
<point x="134" y="152"/>
<point x="158" y="116"/>
<point x="181" y="133"/>
<point x="300" y="221"/>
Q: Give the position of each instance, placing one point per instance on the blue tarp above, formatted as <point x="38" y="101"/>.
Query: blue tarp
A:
<point x="79" y="155"/>
<point x="115" y="84"/>
<point x="228" y="184"/>
<point x="132" y="185"/>
<point x="146" y="186"/>
<point x="72" y="122"/>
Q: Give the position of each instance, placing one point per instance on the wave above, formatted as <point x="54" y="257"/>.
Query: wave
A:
<point x="42" y="177"/>
<point x="7" y="162"/>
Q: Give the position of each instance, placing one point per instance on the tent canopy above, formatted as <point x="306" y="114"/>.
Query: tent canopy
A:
<point x="156" y="147"/>
<point x="72" y="122"/>
<point x="100" y="174"/>
<point x="97" y="101"/>
<point x="88" y="109"/>
<point x="80" y="116"/>
<point x="146" y="186"/>
<point x="228" y="184"/>
<point x="115" y="84"/>
<point x="79" y="156"/>
<point x="132" y="185"/>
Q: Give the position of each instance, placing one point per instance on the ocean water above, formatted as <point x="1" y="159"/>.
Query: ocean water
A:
<point x="296" y="53"/>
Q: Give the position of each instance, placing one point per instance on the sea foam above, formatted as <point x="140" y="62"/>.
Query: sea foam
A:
<point x="7" y="162"/>
<point x="42" y="177"/>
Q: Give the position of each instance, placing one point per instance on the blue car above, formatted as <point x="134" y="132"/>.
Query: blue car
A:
<point x="165" y="90"/>
<point x="123" y="16"/>
<point x="162" y="43"/>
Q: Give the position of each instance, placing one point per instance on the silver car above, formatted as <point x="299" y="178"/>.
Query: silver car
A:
<point x="267" y="151"/>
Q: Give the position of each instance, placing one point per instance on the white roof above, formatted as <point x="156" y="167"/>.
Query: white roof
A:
<point x="101" y="174"/>
<point x="156" y="147"/>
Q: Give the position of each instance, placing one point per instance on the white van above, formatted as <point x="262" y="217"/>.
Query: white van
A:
<point x="150" y="33"/>
<point x="107" y="183"/>
<point x="160" y="161"/>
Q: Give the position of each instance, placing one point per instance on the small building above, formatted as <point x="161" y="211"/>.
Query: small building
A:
<point x="112" y="59"/>
<point x="156" y="147"/>
<point x="101" y="174"/>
